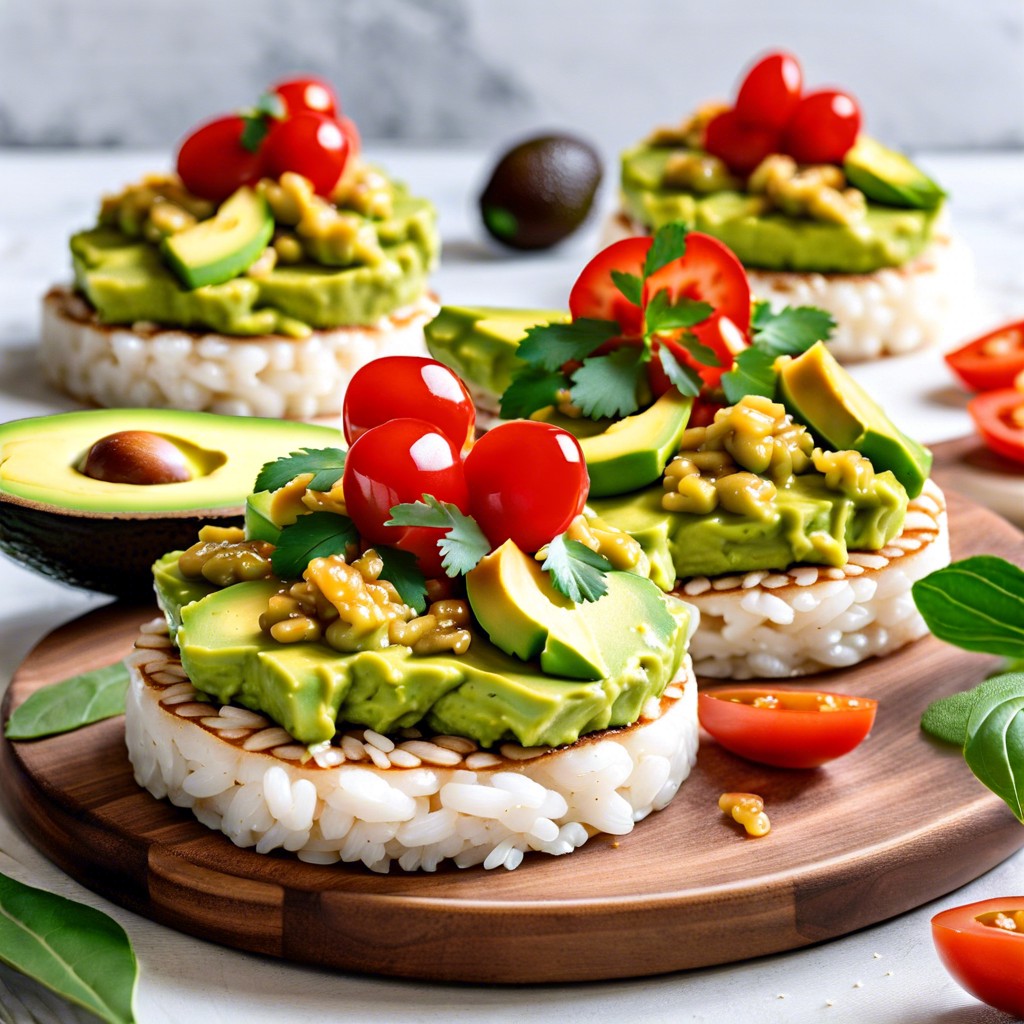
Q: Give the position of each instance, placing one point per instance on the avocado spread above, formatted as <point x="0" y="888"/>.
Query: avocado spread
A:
<point x="349" y="261"/>
<point x="769" y="238"/>
<point x="485" y="694"/>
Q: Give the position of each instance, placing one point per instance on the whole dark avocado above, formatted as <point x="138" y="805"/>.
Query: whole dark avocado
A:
<point x="540" y="191"/>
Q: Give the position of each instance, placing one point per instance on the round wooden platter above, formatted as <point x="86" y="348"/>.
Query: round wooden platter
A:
<point x="896" y="823"/>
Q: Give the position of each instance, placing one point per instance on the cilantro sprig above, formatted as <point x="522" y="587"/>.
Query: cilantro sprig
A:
<point x="314" y="535"/>
<point x="326" y="464"/>
<point x="576" y="571"/>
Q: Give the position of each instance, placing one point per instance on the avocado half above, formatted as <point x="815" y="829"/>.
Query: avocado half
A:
<point x="105" y="536"/>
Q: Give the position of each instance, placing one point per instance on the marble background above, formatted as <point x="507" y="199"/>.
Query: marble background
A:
<point x="929" y="73"/>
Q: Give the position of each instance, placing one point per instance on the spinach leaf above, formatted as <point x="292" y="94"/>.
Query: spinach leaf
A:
<point x="74" y="950"/>
<point x="70" y="704"/>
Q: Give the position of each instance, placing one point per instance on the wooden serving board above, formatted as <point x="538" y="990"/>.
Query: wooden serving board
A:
<point x="896" y="823"/>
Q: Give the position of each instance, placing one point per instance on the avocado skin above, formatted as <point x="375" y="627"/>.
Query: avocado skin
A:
<point x="540" y="191"/>
<point x="888" y="177"/>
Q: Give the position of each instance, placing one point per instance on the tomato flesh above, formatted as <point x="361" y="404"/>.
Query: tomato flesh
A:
<point x="309" y="144"/>
<point x="999" y="417"/>
<point x="709" y="272"/>
<point x="740" y="145"/>
<point x="770" y="91"/>
<point x="527" y="481"/>
<point x="313" y="94"/>
<point x="594" y="294"/>
<point x="992" y="361"/>
<point x="784" y="727"/>
<point x="985" y="960"/>
<point x="823" y="128"/>
<point x="409" y="386"/>
<point x="397" y="462"/>
<point x="213" y="163"/>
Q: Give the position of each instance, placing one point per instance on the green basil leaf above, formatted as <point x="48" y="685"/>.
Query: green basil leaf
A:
<point x="73" y="950"/>
<point x="977" y="604"/>
<point x="316" y="535"/>
<point x="994" y="749"/>
<point x="70" y="704"/>
<point x="947" y="719"/>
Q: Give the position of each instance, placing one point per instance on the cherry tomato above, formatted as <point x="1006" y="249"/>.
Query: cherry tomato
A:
<point x="355" y="143"/>
<point x="213" y="163"/>
<point x="594" y="294"/>
<point x="783" y="727"/>
<point x="999" y="417"/>
<point x="397" y="386"/>
<point x="312" y="94"/>
<point x="309" y="144"/>
<point x="983" y="958"/>
<point x="527" y="481"/>
<point x="708" y="271"/>
<point x="741" y="145"/>
<point x="397" y="462"/>
<point x="991" y="361"/>
<point x="823" y="128"/>
<point x="771" y="91"/>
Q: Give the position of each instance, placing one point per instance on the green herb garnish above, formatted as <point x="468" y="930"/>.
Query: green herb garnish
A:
<point x="463" y="543"/>
<point x="402" y="571"/>
<point x="576" y="571"/>
<point x="257" y="121"/>
<point x="70" y="704"/>
<point x="72" y="949"/>
<point x="326" y="464"/>
<point x="315" y="535"/>
<point x="978" y="604"/>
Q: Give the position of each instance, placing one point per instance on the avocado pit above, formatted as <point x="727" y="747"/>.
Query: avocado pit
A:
<point x="135" y="457"/>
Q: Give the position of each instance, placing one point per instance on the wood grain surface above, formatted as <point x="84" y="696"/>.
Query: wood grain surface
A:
<point x="896" y="823"/>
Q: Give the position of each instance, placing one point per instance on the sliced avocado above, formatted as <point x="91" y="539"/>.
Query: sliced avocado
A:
<point x="105" y="535"/>
<point x="885" y="176"/>
<point x="522" y="613"/>
<point x="479" y="342"/>
<point x="631" y="452"/>
<point x="216" y="250"/>
<point x="485" y="694"/>
<point x="540" y="191"/>
<point x="834" y="407"/>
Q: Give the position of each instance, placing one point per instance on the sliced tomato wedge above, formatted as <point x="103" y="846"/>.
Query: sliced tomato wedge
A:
<point x="709" y="272"/>
<point x="992" y="361"/>
<point x="999" y="417"/>
<point x="784" y="727"/>
<point x="594" y="294"/>
<point x="983" y="954"/>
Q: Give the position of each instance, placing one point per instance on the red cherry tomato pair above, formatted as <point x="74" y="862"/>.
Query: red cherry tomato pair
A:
<point x="982" y="946"/>
<point x="771" y="115"/>
<point x="708" y="271"/>
<point x="410" y="421"/>
<point x="784" y="727"/>
<point x="310" y="140"/>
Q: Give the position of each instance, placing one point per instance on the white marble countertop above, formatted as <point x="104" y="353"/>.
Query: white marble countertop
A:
<point x="885" y="974"/>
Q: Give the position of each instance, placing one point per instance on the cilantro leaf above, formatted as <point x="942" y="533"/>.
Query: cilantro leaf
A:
<point x="576" y="571"/>
<point x="704" y="354"/>
<point x="668" y="245"/>
<point x="753" y="373"/>
<point x="631" y="286"/>
<point x="791" y="330"/>
<point x="531" y="389"/>
<point x="326" y="464"/>
<point x="685" y="378"/>
<point x="661" y="314"/>
<point x="548" y="346"/>
<point x="463" y="543"/>
<point x="403" y="572"/>
<point x="607" y="386"/>
<point x="315" y="535"/>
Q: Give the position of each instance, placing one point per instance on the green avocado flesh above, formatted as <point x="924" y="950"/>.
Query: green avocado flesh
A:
<point x="833" y="406"/>
<point x="888" y="237"/>
<point x="479" y="342"/>
<point x="484" y="694"/>
<point x="38" y="458"/>
<point x="223" y="246"/>
<point x="810" y="523"/>
<point x="127" y="280"/>
<point x="625" y="454"/>
<point x="885" y="176"/>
